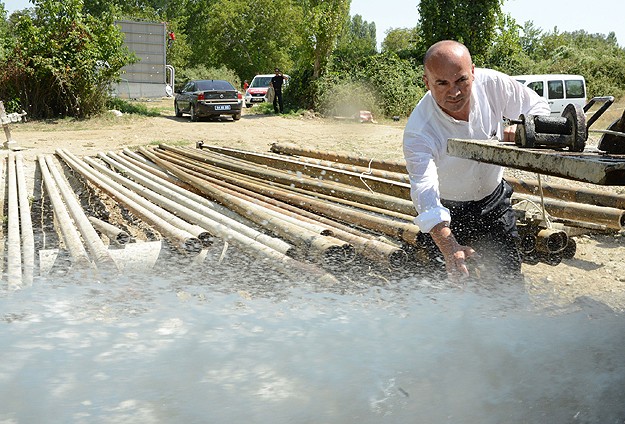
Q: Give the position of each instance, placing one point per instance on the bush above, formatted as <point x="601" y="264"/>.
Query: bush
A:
<point x="127" y="107"/>
<point x="62" y="61"/>
<point x="397" y="83"/>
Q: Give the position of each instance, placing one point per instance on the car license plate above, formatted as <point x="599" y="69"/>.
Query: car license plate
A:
<point x="258" y="99"/>
<point x="222" y="107"/>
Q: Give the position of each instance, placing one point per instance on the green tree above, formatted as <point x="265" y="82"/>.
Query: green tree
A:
<point x="322" y="24"/>
<point x="506" y="53"/>
<point x="249" y="37"/>
<point x="357" y="42"/>
<point x="62" y="60"/>
<point x="472" y="22"/>
<point x="404" y="42"/>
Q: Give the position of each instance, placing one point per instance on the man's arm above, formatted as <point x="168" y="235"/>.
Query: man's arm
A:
<point x="454" y="253"/>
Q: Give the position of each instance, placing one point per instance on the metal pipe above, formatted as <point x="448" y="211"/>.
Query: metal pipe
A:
<point x="71" y="237"/>
<point x="328" y="249"/>
<point x="254" y="245"/>
<point x="285" y="162"/>
<point x="201" y="213"/>
<point x="292" y="149"/>
<point x="311" y="184"/>
<point x="92" y="240"/>
<point x="182" y="239"/>
<point x="147" y="166"/>
<point x="26" y="224"/>
<point x="167" y="208"/>
<point x="551" y="241"/>
<point x="14" y="252"/>
<point x="561" y="192"/>
<point x="312" y="226"/>
<point x="611" y="217"/>
<point x="404" y="231"/>
<point x="198" y="204"/>
<point x="364" y="180"/>
<point x="113" y="233"/>
<point x="367" y="247"/>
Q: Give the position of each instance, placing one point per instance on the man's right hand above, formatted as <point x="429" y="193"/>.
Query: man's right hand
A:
<point x="454" y="253"/>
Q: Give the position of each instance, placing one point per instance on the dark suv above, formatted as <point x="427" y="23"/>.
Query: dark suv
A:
<point x="208" y="98"/>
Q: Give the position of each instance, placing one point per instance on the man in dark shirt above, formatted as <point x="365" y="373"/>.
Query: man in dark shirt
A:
<point x="276" y="82"/>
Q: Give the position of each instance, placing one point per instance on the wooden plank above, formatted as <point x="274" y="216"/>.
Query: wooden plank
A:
<point x="589" y="166"/>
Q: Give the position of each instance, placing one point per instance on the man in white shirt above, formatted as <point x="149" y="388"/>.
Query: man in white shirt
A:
<point x="463" y="203"/>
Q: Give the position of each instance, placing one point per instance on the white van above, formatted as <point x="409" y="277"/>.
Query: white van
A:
<point x="558" y="89"/>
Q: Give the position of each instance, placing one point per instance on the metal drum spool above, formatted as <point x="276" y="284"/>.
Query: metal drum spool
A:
<point x="569" y="130"/>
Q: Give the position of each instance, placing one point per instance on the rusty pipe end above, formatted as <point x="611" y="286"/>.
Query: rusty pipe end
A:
<point x="528" y="243"/>
<point x="551" y="241"/>
<point x="333" y="257"/>
<point x="397" y="259"/>
<point x="569" y="251"/>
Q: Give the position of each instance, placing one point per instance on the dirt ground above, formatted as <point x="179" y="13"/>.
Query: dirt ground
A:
<point x="596" y="272"/>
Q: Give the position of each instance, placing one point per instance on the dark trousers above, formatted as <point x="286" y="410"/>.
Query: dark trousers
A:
<point x="489" y="226"/>
<point x="277" y="101"/>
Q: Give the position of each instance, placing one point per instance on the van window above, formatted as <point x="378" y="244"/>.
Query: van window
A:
<point x="537" y="86"/>
<point x="574" y="89"/>
<point x="556" y="89"/>
<point x="260" y="82"/>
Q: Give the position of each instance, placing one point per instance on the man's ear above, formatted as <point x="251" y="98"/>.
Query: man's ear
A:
<point x="425" y="80"/>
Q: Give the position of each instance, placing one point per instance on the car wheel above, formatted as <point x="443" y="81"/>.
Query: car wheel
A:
<point x="192" y="113"/>
<point x="236" y="117"/>
<point x="177" y="110"/>
<point x="249" y="104"/>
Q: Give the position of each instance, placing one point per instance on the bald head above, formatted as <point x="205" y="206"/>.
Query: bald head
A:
<point x="445" y="51"/>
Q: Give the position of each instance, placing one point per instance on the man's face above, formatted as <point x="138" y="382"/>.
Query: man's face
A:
<point x="450" y="81"/>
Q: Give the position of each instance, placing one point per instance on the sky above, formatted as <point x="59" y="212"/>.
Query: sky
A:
<point x="599" y="16"/>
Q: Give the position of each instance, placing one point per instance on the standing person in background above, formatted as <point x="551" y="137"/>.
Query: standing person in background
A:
<point x="246" y="85"/>
<point x="276" y="82"/>
<point x="465" y="204"/>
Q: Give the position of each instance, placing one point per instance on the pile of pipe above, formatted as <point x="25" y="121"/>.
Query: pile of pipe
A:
<point x="297" y="209"/>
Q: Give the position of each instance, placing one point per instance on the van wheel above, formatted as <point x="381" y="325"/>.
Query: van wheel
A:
<point x="177" y="110"/>
<point x="249" y="105"/>
<point x="192" y="113"/>
<point x="236" y="117"/>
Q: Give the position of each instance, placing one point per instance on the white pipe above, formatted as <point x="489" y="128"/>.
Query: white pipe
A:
<point x="14" y="260"/>
<point x="96" y="247"/>
<point x="70" y="235"/>
<point x="182" y="239"/>
<point x="26" y="224"/>
<point x="199" y="205"/>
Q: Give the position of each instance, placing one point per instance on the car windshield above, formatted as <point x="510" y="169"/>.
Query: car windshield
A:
<point x="221" y="85"/>
<point x="260" y="82"/>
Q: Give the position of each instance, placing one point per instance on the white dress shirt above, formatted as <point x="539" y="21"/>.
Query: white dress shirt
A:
<point x="435" y="175"/>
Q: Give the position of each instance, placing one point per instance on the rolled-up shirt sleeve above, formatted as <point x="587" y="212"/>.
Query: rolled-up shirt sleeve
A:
<point x="424" y="189"/>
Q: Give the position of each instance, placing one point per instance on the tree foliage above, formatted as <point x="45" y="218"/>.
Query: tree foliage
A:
<point x="323" y="22"/>
<point x="62" y="61"/>
<point x="59" y="57"/>
<point x="471" y="22"/>
<point x="358" y="41"/>
<point x="404" y="42"/>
